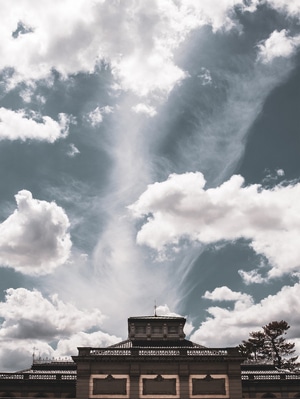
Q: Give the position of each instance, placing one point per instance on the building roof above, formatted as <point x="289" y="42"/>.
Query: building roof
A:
<point x="177" y="318"/>
<point x="128" y="343"/>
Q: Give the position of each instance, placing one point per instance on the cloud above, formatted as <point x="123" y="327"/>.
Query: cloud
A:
<point x="139" y="42"/>
<point x="97" y="339"/>
<point x="234" y="325"/>
<point x="73" y="150"/>
<point x="22" y="29"/>
<point x="226" y="294"/>
<point x="27" y="314"/>
<point x="18" y="125"/>
<point x="144" y="109"/>
<point x="19" y="357"/>
<point x="252" y="276"/>
<point x="35" y="239"/>
<point x="180" y="208"/>
<point x="164" y="310"/>
<point x="95" y="117"/>
<point x="121" y="271"/>
<point x="290" y="7"/>
<point x="205" y="77"/>
<point x="279" y="44"/>
<point x="280" y="172"/>
<point x="33" y="322"/>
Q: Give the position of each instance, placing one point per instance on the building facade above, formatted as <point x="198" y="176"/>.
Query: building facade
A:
<point x="156" y="361"/>
<point x="54" y="379"/>
<point x="265" y="381"/>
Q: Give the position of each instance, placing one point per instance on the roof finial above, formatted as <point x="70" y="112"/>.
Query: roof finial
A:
<point x="155" y="308"/>
<point x="33" y="354"/>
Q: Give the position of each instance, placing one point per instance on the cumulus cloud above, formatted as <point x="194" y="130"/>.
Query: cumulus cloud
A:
<point x="138" y="41"/>
<point x="18" y="356"/>
<point x="164" y="310"/>
<point x="290" y="7"/>
<point x="35" y="238"/>
<point x="279" y="44"/>
<point x="97" y="339"/>
<point x="18" y="125"/>
<point x="27" y="314"/>
<point x="180" y="207"/>
<point x="33" y="321"/>
<point x="226" y="294"/>
<point x="252" y="276"/>
<point x="234" y="325"/>
<point x="144" y="109"/>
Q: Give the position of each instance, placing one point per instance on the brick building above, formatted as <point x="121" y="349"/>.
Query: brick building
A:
<point x="156" y="361"/>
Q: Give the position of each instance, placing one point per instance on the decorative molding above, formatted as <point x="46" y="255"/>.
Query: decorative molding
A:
<point x="109" y="386"/>
<point x="162" y="386"/>
<point x="209" y="386"/>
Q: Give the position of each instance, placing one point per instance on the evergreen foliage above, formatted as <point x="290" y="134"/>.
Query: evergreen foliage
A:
<point x="270" y="346"/>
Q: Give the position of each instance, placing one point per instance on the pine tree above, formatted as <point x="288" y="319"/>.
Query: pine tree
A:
<point x="270" y="345"/>
<point x="276" y="346"/>
<point x="253" y="348"/>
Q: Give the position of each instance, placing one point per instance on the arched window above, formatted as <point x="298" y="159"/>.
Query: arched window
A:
<point x="268" y="395"/>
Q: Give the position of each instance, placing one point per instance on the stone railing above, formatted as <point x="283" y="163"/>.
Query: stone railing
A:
<point x="155" y="351"/>
<point x="54" y="360"/>
<point x="269" y="376"/>
<point x="37" y="376"/>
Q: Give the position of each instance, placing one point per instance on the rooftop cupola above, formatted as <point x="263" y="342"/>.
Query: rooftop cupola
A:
<point x="156" y="328"/>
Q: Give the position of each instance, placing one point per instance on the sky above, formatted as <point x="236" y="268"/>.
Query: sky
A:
<point x="149" y="154"/>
